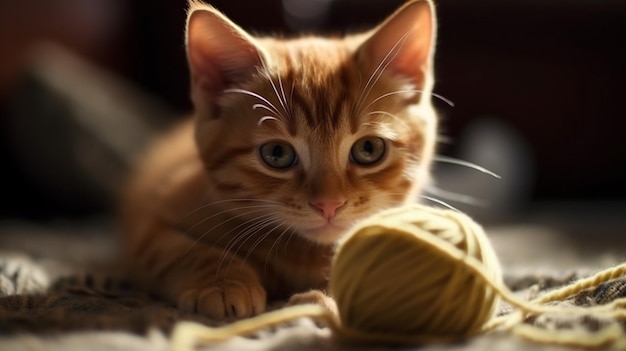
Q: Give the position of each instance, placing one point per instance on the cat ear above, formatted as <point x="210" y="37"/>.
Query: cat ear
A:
<point x="219" y="52"/>
<point x="404" y="43"/>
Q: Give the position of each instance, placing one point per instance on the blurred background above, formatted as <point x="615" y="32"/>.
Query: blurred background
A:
<point x="537" y="88"/>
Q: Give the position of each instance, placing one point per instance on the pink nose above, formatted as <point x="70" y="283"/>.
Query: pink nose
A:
<point x="328" y="206"/>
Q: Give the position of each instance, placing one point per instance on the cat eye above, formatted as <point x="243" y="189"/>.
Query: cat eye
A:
<point x="368" y="151"/>
<point x="278" y="154"/>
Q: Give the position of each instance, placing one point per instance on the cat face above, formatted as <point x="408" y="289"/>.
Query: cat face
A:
<point x="321" y="131"/>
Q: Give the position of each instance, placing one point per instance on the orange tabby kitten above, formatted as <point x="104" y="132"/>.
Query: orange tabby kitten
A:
<point x="291" y="142"/>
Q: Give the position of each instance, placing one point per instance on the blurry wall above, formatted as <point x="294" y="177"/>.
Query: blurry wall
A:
<point x="553" y="72"/>
<point x="94" y="30"/>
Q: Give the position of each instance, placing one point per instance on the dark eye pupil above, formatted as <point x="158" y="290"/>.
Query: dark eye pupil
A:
<point x="368" y="147"/>
<point x="277" y="151"/>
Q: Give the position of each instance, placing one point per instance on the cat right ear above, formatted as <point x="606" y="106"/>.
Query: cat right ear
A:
<point x="404" y="43"/>
<point x="219" y="52"/>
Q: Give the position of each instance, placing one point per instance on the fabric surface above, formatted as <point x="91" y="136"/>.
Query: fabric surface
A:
<point x="48" y="302"/>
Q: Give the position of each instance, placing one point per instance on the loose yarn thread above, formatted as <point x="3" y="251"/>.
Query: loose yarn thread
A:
<point x="417" y="274"/>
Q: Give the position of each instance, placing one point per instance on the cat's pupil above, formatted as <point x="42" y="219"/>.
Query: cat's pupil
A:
<point x="277" y="152"/>
<point x="368" y="147"/>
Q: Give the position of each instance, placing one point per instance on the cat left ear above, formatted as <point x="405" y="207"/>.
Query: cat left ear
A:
<point x="404" y="43"/>
<point x="219" y="52"/>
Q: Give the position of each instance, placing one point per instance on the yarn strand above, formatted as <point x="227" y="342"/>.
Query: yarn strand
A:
<point x="414" y="275"/>
<point x="187" y="335"/>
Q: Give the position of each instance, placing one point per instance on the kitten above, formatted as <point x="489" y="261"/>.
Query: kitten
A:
<point x="291" y="142"/>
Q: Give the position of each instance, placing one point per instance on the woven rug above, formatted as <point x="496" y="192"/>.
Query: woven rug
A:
<point x="54" y="295"/>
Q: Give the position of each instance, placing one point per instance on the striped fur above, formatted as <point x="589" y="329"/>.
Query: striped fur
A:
<point x="210" y="226"/>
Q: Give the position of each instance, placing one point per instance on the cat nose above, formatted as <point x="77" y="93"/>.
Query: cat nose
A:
<point x="328" y="206"/>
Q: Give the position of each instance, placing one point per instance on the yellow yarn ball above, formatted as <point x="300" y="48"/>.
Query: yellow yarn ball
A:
<point x="401" y="277"/>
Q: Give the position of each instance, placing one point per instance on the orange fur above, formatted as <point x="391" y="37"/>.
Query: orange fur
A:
<point x="209" y="225"/>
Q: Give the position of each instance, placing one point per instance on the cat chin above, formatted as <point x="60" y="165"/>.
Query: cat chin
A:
<point x="325" y="235"/>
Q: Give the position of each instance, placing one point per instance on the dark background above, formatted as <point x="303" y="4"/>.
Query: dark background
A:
<point x="553" y="71"/>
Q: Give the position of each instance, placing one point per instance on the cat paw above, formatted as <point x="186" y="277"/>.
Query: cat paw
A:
<point x="230" y="298"/>
<point x="314" y="297"/>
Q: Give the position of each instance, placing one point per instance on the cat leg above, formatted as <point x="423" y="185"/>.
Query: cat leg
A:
<point x="197" y="277"/>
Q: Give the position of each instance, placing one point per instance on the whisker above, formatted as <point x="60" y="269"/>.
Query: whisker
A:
<point x="266" y="118"/>
<point x="442" y="98"/>
<point x="277" y="225"/>
<point x="440" y="202"/>
<point x="225" y="201"/>
<point x="246" y="224"/>
<point x="291" y="234"/>
<point x="257" y="106"/>
<point x="385" y="113"/>
<point x="275" y="244"/>
<point x="267" y="75"/>
<point x="258" y="96"/>
<point x="199" y="239"/>
<point x="291" y="97"/>
<point x="455" y="161"/>
<point x="250" y="228"/>
<point x="249" y="234"/>
<point x="380" y="74"/>
<point x="258" y="227"/>
<point x="367" y="89"/>
<point x="261" y="207"/>
<point x="456" y="197"/>
<point x="282" y="91"/>
<point x="252" y="225"/>
<point x="236" y="227"/>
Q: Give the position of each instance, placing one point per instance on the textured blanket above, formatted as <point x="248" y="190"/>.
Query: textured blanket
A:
<point x="54" y="296"/>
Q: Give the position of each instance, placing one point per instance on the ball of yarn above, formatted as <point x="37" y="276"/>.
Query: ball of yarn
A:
<point x="402" y="277"/>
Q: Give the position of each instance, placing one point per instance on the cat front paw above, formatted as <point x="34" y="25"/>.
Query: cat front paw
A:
<point x="229" y="298"/>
